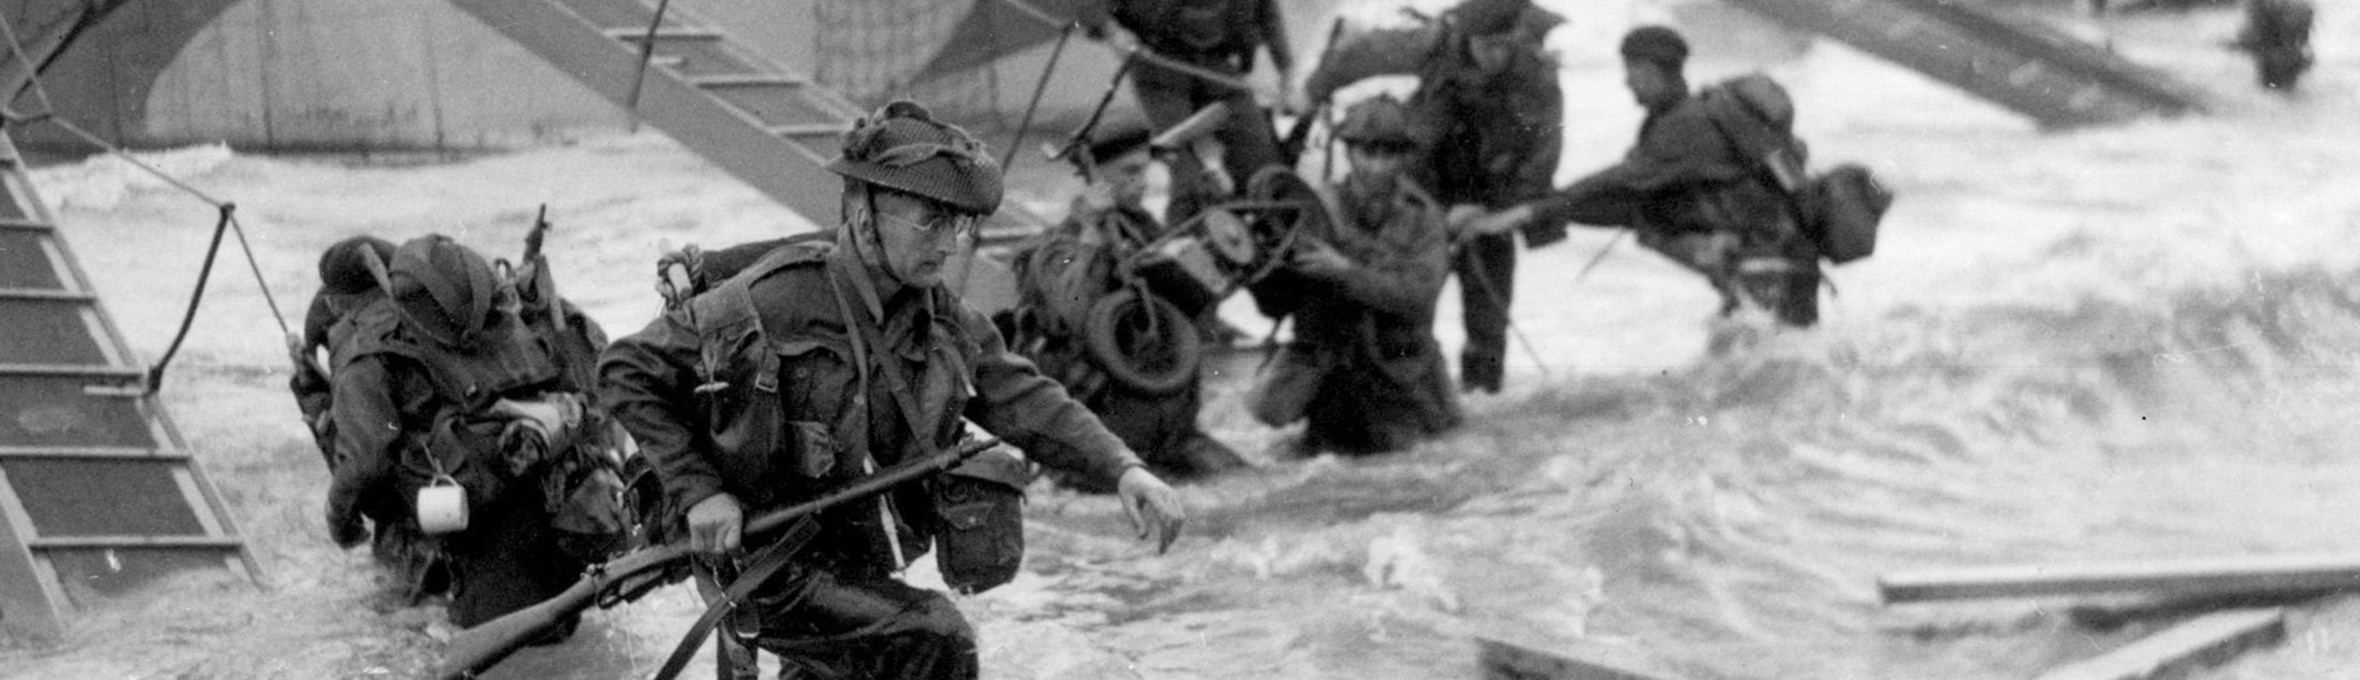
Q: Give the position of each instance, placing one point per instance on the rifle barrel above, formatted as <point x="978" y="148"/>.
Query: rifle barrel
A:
<point x="870" y="485"/>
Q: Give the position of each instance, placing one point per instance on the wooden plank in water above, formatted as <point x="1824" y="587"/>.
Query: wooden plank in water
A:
<point x="1503" y="660"/>
<point x="2277" y="573"/>
<point x="2206" y="641"/>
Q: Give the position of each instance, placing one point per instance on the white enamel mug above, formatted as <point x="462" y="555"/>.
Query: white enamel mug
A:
<point x="442" y="506"/>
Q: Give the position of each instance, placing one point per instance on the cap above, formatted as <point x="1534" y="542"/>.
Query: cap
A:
<point x="1656" y="44"/>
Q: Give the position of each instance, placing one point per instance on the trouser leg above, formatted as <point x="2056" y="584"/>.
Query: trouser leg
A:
<point x="825" y="626"/>
<point x="1788" y="289"/>
<point x="1487" y="278"/>
<point x="508" y="561"/>
<point x="1248" y="144"/>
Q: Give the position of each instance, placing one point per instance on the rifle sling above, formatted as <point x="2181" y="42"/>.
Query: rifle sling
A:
<point x="757" y="572"/>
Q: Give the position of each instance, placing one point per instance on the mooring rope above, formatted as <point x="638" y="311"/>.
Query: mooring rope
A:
<point x="228" y="211"/>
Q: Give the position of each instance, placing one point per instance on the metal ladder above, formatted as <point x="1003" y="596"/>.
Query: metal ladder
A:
<point x="98" y="493"/>
<point x="2042" y="73"/>
<point x="766" y="126"/>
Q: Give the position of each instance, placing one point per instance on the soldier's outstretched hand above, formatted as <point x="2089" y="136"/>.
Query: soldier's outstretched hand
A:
<point x="1153" y="506"/>
<point x="1499" y="221"/>
<point x="715" y="524"/>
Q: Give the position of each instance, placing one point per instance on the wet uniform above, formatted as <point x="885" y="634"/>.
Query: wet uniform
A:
<point x="1220" y="35"/>
<point x="389" y="401"/>
<point x="1364" y="369"/>
<point x="789" y="414"/>
<point x="1496" y="139"/>
<point x="1689" y="196"/>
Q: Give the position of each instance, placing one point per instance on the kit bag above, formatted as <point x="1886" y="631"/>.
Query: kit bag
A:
<point x="1845" y="205"/>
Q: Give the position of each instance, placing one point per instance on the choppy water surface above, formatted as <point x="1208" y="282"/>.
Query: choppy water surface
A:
<point x="2119" y="344"/>
<point x="2122" y="344"/>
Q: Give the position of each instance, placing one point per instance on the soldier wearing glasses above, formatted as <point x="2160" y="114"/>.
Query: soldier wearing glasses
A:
<point x="830" y="357"/>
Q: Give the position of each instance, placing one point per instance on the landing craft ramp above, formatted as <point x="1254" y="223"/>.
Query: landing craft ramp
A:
<point x="769" y="127"/>
<point x="97" y="491"/>
<point x="2034" y="70"/>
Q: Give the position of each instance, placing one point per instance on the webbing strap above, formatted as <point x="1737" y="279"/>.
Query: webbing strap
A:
<point x="764" y="565"/>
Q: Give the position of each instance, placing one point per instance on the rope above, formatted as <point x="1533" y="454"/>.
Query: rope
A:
<point x="188" y="319"/>
<point x="647" y="54"/>
<point x="1039" y="88"/>
<point x="228" y="221"/>
<point x="32" y="71"/>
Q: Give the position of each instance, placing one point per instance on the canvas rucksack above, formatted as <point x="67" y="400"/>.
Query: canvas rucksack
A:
<point x="1839" y="210"/>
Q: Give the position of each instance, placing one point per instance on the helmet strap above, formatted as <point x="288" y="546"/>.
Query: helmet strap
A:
<point x="861" y="234"/>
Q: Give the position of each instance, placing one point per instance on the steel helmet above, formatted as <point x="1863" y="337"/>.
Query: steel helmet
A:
<point x="1378" y="120"/>
<point x="345" y="269"/>
<point x="902" y="147"/>
<point x="444" y="290"/>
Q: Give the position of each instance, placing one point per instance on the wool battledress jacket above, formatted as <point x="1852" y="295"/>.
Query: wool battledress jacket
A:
<point x="759" y="397"/>
<point x="1682" y="179"/>
<point x="1496" y="136"/>
<point x="1364" y="368"/>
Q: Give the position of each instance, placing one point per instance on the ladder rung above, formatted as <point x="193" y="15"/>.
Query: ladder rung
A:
<point x="46" y="294"/>
<point x="745" y="80"/>
<point x="639" y="34"/>
<point x="25" y="225"/>
<point x="91" y="453"/>
<point x="810" y="129"/>
<point x="88" y="542"/>
<point x="86" y="370"/>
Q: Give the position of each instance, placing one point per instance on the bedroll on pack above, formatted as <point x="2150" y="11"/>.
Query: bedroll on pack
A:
<point x="1846" y="204"/>
<point x="1839" y="210"/>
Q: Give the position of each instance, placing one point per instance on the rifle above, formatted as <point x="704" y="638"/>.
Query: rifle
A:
<point x="1298" y="137"/>
<point x="630" y="577"/>
<point x="535" y="285"/>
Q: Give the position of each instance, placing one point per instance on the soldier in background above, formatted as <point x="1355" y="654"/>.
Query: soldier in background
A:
<point x="1364" y="369"/>
<point x="1490" y="93"/>
<point x="1218" y="35"/>
<point x="2278" y="35"/>
<point x="443" y="382"/>
<point x="1686" y="192"/>
<point x="346" y="285"/>
<point x="1073" y="267"/>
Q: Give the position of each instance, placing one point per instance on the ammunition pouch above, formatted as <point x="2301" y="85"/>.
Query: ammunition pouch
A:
<point x="980" y="543"/>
